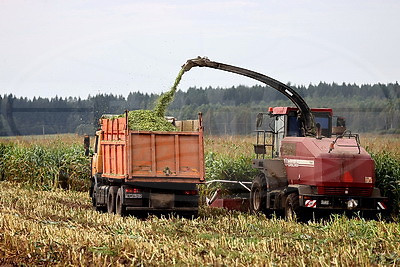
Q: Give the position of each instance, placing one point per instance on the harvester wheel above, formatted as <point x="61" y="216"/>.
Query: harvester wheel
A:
<point x="257" y="195"/>
<point x="112" y="193"/>
<point x="120" y="209"/>
<point x="292" y="207"/>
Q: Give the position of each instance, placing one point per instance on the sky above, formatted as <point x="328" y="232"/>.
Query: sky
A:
<point x="80" y="48"/>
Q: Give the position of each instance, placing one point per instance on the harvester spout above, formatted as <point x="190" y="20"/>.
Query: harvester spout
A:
<point x="196" y="62"/>
<point x="305" y="112"/>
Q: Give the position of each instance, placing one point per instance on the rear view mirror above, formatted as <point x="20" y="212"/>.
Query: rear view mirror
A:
<point x="259" y="120"/>
<point x="341" y="122"/>
<point x="86" y="144"/>
<point x="340" y="126"/>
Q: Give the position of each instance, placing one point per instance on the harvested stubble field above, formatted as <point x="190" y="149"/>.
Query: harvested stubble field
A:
<point x="60" y="227"/>
<point x="43" y="225"/>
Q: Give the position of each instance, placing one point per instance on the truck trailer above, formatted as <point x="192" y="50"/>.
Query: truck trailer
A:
<point x="147" y="171"/>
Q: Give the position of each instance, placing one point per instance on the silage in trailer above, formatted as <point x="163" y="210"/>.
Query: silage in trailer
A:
<point x="154" y="120"/>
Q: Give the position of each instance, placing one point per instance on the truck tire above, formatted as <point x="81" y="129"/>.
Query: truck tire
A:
<point x="120" y="209"/>
<point x="112" y="193"/>
<point x="94" y="201"/>
<point x="257" y="195"/>
<point x="91" y="189"/>
<point x="93" y="197"/>
<point x="292" y="207"/>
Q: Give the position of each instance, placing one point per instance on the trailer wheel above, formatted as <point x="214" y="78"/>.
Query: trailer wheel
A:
<point x="120" y="209"/>
<point x="292" y="207"/>
<point x="257" y="195"/>
<point x="112" y="193"/>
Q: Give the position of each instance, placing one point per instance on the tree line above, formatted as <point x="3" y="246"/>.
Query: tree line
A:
<point x="367" y="108"/>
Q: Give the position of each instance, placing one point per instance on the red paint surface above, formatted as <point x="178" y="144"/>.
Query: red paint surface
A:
<point x="239" y="204"/>
<point x="286" y="110"/>
<point x="342" y="168"/>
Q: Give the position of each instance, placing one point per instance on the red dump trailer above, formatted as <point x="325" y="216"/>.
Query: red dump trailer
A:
<point x="146" y="171"/>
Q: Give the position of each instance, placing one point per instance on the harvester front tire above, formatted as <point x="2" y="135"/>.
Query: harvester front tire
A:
<point x="112" y="193"/>
<point x="120" y="209"/>
<point x="292" y="207"/>
<point x="257" y="195"/>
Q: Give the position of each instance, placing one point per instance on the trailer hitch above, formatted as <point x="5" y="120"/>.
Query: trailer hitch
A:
<point x="217" y="193"/>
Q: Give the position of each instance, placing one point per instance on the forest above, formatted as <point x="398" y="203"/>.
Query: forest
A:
<point x="367" y="108"/>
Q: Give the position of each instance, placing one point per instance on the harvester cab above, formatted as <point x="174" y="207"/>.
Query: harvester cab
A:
<point x="287" y="121"/>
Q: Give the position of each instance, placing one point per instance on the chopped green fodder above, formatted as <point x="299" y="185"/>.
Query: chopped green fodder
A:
<point x="165" y="99"/>
<point x="147" y="120"/>
<point x="153" y="120"/>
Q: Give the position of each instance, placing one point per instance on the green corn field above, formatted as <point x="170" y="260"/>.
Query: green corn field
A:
<point x="45" y="165"/>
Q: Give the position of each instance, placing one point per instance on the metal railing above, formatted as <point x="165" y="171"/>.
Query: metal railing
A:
<point x="260" y="148"/>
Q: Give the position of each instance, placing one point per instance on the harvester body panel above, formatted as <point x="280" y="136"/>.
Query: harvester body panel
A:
<point x="344" y="167"/>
